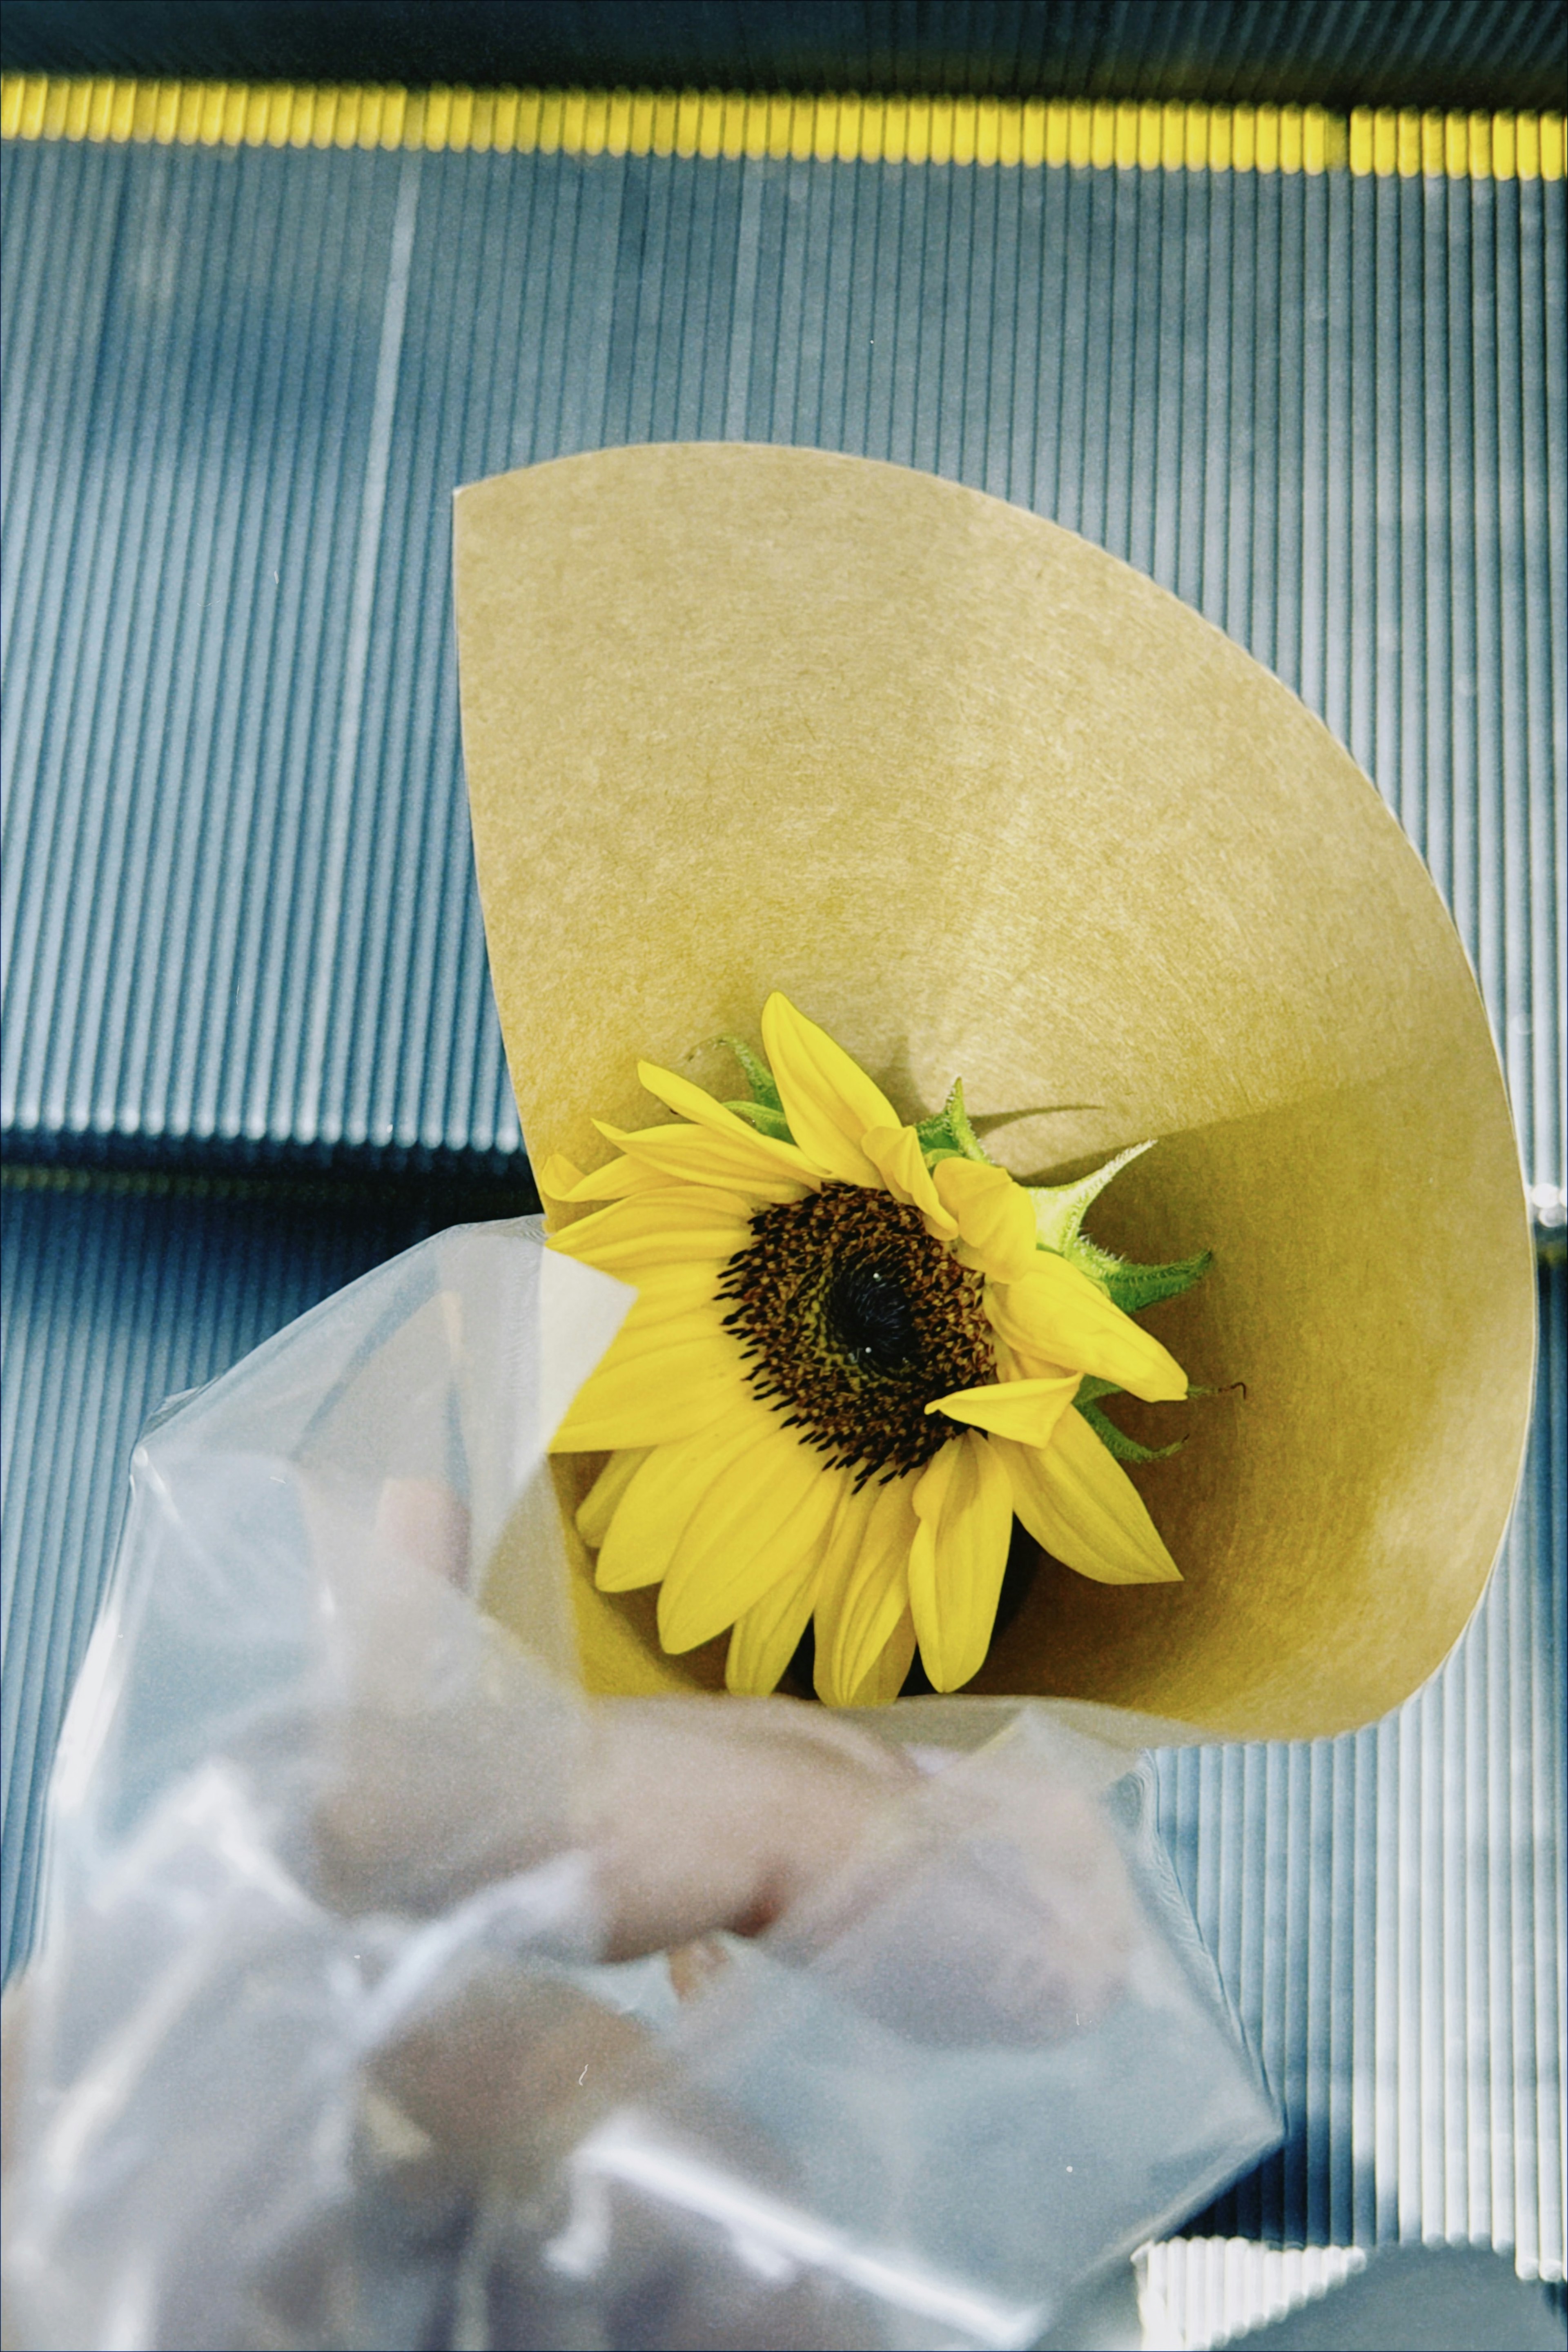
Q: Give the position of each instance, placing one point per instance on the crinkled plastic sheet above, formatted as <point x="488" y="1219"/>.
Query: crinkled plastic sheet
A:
<point x="311" y="1895"/>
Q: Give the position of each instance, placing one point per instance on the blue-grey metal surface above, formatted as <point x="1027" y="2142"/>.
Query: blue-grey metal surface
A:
<point x="239" y="387"/>
<point x="1403" y="52"/>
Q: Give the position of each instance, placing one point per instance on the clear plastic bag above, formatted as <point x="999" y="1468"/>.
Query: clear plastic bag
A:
<point x="320" y="2047"/>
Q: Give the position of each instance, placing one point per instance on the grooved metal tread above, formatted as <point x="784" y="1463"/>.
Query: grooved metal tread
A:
<point x="1324" y="406"/>
<point x="253" y="343"/>
<point x="1442" y="52"/>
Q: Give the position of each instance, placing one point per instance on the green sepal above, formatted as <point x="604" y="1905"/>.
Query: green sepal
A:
<point x="1133" y="1287"/>
<point x="948" y="1134"/>
<point x="765" y="1118"/>
<point x="765" y="1110"/>
<point x="756" y="1072"/>
<point x="1116" y="1441"/>
<point x="1060" y="1210"/>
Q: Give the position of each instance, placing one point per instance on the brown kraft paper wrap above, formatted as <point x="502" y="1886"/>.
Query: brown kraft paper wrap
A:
<point x="987" y="803"/>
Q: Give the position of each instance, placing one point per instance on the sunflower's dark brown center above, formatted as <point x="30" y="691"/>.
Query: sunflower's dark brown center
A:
<point x="851" y="1319"/>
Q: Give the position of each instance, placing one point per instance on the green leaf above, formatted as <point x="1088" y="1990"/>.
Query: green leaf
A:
<point x="1132" y="1288"/>
<point x="949" y="1135"/>
<point x="765" y="1118"/>
<point x="1116" y="1441"/>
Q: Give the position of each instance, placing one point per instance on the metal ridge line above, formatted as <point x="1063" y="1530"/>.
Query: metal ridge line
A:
<point x="1383" y="142"/>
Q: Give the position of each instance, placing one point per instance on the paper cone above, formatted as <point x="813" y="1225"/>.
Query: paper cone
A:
<point x="987" y="803"/>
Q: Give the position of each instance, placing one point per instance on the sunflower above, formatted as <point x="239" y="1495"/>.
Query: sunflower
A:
<point x="858" y="1351"/>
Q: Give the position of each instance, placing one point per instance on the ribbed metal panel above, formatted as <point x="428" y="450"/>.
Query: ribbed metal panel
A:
<point x="1387" y="1909"/>
<point x="230" y="917"/>
<point x="1426" y="52"/>
<point x="1325" y="408"/>
<point x="112" y="1301"/>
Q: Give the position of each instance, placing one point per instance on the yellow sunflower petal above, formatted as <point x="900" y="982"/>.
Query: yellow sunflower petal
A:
<point x="657" y="1505"/>
<point x="691" y="1103"/>
<point x="656" y="1384"/>
<point x="856" y="1621"/>
<point x="1078" y="1501"/>
<point x="840" y="1550"/>
<point x="886" y="1679"/>
<point x="996" y="1217"/>
<point x="963" y="1502"/>
<point x="678" y="1224"/>
<point x="765" y="1517"/>
<point x="561" y="1180"/>
<point x="753" y="1165"/>
<point x="829" y="1101"/>
<point x="767" y="1635"/>
<point x="647" y="1332"/>
<point x="669" y="1291"/>
<point x="895" y="1153"/>
<point x="603" y="1499"/>
<point x="1058" y="1314"/>
<point x="666" y="1271"/>
<point x="672" y="1294"/>
<point x="1027" y="1410"/>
